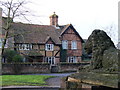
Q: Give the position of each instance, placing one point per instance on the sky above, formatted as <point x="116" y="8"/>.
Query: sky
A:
<point x="84" y="15"/>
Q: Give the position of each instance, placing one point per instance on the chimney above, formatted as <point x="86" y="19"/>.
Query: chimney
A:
<point x="54" y="20"/>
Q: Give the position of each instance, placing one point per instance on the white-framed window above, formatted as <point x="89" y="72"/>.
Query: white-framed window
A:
<point x="24" y="46"/>
<point x="49" y="47"/>
<point x="65" y="44"/>
<point x="72" y="59"/>
<point x="73" y="44"/>
<point x="50" y="60"/>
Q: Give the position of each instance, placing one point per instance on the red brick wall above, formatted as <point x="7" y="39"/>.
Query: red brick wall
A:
<point x="71" y="35"/>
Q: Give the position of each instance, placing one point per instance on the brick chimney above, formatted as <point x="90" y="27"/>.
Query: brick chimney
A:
<point x="54" y="19"/>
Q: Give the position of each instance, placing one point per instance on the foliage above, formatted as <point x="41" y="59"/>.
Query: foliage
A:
<point x="9" y="54"/>
<point x="17" y="58"/>
<point x="21" y="80"/>
<point x="12" y="56"/>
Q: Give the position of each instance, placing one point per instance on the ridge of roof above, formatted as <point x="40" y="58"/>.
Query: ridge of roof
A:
<point x="64" y="29"/>
<point x="32" y="24"/>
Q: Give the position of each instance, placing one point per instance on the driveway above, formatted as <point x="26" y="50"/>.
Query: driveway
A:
<point x="56" y="81"/>
<point x="53" y="83"/>
<point x="56" y="74"/>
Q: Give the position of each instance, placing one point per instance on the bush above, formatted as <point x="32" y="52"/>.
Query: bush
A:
<point x="12" y="56"/>
<point x="9" y="54"/>
<point x="17" y="58"/>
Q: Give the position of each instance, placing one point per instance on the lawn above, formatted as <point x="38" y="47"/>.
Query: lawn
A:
<point x="24" y="80"/>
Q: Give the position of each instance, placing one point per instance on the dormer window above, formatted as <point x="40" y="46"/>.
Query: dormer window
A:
<point x="49" y="47"/>
<point x="25" y="46"/>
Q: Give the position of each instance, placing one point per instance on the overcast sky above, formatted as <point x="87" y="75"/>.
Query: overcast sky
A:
<point x="84" y="15"/>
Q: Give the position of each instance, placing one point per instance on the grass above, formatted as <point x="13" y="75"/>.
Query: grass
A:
<point x="24" y="80"/>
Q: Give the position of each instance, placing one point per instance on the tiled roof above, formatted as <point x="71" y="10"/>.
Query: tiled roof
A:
<point x="29" y="33"/>
<point x="39" y="34"/>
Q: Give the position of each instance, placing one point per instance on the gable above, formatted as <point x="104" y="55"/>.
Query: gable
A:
<point x="70" y="32"/>
<point x="49" y="40"/>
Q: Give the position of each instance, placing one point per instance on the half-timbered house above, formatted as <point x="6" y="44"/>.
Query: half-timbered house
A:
<point x="52" y="43"/>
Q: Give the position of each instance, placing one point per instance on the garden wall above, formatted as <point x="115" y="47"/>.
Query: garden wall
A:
<point x="39" y="68"/>
<point x="71" y="67"/>
<point x="25" y="68"/>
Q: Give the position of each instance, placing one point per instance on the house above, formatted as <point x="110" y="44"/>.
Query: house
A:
<point x="52" y="43"/>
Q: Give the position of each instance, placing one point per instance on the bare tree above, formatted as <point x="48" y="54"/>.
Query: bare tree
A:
<point x="111" y="30"/>
<point x="11" y="9"/>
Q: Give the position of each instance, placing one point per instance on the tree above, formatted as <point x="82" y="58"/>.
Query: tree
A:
<point x="111" y="30"/>
<point x="12" y="9"/>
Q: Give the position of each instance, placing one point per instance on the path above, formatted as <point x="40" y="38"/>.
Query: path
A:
<point x="56" y="81"/>
<point x="53" y="83"/>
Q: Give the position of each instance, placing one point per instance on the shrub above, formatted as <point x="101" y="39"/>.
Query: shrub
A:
<point x="12" y="56"/>
<point x="9" y="54"/>
<point x="17" y="58"/>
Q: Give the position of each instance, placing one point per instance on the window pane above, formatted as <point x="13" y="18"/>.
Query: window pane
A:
<point x="65" y="44"/>
<point x="49" y="47"/>
<point x="74" y="45"/>
<point x="72" y="59"/>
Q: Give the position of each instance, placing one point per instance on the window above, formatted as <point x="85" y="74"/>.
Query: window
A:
<point x="72" y="59"/>
<point x="73" y="45"/>
<point x="65" y="44"/>
<point x="49" y="47"/>
<point x="25" y="46"/>
<point x="50" y="60"/>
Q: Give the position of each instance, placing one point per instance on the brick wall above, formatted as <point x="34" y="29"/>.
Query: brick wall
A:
<point x="68" y="67"/>
<point x="41" y="68"/>
<point x="26" y="68"/>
